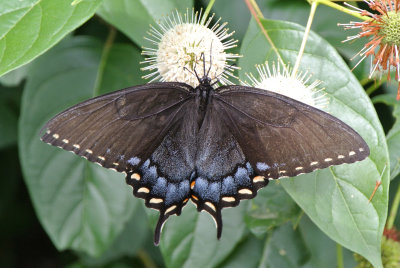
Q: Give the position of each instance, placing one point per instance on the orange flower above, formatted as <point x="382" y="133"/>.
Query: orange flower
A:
<point x="383" y="32"/>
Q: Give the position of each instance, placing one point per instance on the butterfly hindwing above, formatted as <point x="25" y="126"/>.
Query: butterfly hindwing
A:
<point x="282" y="137"/>
<point x="224" y="176"/>
<point x="163" y="180"/>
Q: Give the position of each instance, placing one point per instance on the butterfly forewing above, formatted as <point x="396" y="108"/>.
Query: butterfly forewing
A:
<point x="119" y="130"/>
<point x="282" y="137"/>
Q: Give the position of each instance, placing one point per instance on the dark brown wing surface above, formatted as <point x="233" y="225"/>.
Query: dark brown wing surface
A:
<point x="121" y="129"/>
<point x="283" y="137"/>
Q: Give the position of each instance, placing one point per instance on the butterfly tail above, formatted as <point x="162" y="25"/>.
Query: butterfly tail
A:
<point x="218" y="221"/>
<point x="160" y="224"/>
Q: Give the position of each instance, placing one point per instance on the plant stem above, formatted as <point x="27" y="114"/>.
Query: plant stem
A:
<point x="207" y="11"/>
<point x="305" y="37"/>
<point x="75" y="2"/>
<point x="331" y="4"/>
<point x="103" y="60"/>
<point x="252" y="6"/>
<point x="375" y="86"/>
<point x="339" y="256"/>
<point x="393" y="210"/>
<point x="145" y="258"/>
<point x="364" y="81"/>
<point x="256" y="8"/>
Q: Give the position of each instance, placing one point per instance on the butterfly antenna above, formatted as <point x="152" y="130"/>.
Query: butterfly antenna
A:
<point x="221" y="73"/>
<point x="194" y="70"/>
<point x="216" y="82"/>
<point x="197" y="76"/>
<point x="209" y="69"/>
<point x="204" y="63"/>
<point x="187" y="69"/>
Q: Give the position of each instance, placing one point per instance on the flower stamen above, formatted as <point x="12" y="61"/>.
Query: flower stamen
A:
<point x="281" y="81"/>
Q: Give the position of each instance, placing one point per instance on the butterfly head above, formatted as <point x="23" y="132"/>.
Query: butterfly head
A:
<point x="205" y="81"/>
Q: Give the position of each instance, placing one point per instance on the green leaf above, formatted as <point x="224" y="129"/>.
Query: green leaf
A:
<point x="393" y="136"/>
<point x="9" y="111"/>
<point x="272" y="207"/>
<point x="9" y="192"/>
<point x="15" y="77"/>
<point x="235" y="17"/>
<point x="30" y="27"/>
<point x="133" y="17"/>
<point x="336" y="199"/>
<point x="190" y="240"/>
<point x="81" y="206"/>
<point x="322" y="249"/>
<point x="247" y="254"/>
<point x="130" y="240"/>
<point x="388" y="99"/>
<point x="284" y="248"/>
<point x="393" y="141"/>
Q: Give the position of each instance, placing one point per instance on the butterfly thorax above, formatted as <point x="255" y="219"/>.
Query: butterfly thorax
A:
<point x="203" y="93"/>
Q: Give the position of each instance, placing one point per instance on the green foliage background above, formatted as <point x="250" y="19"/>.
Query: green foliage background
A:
<point x="54" y="55"/>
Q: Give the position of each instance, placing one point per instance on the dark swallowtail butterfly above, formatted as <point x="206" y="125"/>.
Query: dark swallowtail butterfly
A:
<point x="212" y="146"/>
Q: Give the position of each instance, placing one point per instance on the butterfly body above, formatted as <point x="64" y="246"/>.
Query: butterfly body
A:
<point x="215" y="147"/>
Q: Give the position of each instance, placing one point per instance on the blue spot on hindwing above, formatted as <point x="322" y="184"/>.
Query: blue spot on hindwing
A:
<point x="150" y="175"/>
<point x="242" y="177"/>
<point x="249" y="168"/>
<point x="262" y="166"/>
<point x="172" y="196"/>
<point x="228" y="186"/>
<point x="183" y="191"/>
<point x="133" y="161"/>
<point x="160" y="188"/>
<point x="201" y="187"/>
<point x="213" y="192"/>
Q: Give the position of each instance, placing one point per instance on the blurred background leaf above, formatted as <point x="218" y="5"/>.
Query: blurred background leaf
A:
<point x="9" y="112"/>
<point x="40" y="24"/>
<point x="284" y="248"/>
<point x="134" y="17"/>
<point x="272" y="207"/>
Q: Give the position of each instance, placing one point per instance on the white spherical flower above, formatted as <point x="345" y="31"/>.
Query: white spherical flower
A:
<point x="280" y="80"/>
<point x="183" y="44"/>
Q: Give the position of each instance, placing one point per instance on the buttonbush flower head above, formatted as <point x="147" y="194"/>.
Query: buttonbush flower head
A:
<point x="280" y="80"/>
<point x="383" y="33"/>
<point x="182" y="43"/>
